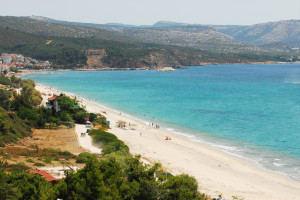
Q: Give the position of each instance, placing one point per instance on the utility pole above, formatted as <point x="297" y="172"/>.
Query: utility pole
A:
<point x="67" y="180"/>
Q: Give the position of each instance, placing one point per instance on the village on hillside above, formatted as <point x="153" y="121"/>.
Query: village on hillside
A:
<point x="19" y="61"/>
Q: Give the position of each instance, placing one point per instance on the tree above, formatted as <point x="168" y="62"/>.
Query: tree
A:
<point x="87" y="183"/>
<point x="16" y="81"/>
<point x="65" y="103"/>
<point x="92" y="117"/>
<point x="5" y="99"/>
<point x="80" y="115"/>
<point x="181" y="187"/>
<point x="65" y="116"/>
<point x="30" y="186"/>
<point x="138" y="173"/>
<point x="30" y="97"/>
<point x="28" y="113"/>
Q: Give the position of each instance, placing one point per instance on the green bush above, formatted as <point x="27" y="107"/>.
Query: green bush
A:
<point x="64" y="153"/>
<point x="30" y="161"/>
<point x="28" y="113"/>
<point x="55" y="120"/>
<point x="110" y="144"/>
<point x="102" y="138"/>
<point x="47" y="160"/>
<point x="83" y="157"/>
<point x="22" y="185"/>
<point x="19" y="167"/>
<point x="38" y="164"/>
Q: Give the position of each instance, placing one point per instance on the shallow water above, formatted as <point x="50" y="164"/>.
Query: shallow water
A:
<point x="251" y="111"/>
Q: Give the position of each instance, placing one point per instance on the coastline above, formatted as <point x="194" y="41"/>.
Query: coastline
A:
<point x="216" y="172"/>
<point x="43" y="71"/>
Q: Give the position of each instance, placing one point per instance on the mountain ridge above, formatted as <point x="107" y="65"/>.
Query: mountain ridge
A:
<point x="244" y="37"/>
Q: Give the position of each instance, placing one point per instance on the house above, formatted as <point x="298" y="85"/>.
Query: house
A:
<point x="53" y="103"/>
<point x="3" y="67"/>
<point x="6" y="59"/>
<point x="19" y="64"/>
<point x="45" y="63"/>
<point x="45" y="175"/>
<point x="12" y="64"/>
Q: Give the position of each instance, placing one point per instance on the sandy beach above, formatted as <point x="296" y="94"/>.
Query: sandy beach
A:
<point x="216" y="172"/>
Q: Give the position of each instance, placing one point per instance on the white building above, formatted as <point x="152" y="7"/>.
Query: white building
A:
<point x="6" y="59"/>
<point x="53" y="103"/>
<point x="3" y="67"/>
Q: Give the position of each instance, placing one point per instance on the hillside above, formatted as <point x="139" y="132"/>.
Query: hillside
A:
<point x="278" y="46"/>
<point x="65" y="49"/>
<point x="168" y="33"/>
<point x="219" y="38"/>
<point x="287" y="32"/>
<point x="33" y="26"/>
<point x="11" y="128"/>
<point x="198" y="37"/>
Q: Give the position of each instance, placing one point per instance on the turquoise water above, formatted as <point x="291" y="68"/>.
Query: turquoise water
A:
<point x="251" y="111"/>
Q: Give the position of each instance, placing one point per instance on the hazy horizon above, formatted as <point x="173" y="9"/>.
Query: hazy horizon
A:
<point x="141" y="12"/>
<point x="114" y="22"/>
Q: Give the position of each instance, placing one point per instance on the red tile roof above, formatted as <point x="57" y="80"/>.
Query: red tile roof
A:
<point x="53" y="98"/>
<point x="44" y="174"/>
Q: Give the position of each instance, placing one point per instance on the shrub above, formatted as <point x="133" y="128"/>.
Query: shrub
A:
<point x="19" y="167"/>
<point x="48" y="160"/>
<point x="38" y="164"/>
<point x="83" y="157"/>
<point x="111" y="145"/>
<point x="55" y="120"/>
<point x="102" y="138"/>
<point x="64" y="153"/>
<point x="30" y="161"/>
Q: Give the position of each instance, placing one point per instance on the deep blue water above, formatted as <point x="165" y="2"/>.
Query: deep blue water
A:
<point x="251" y="111"/>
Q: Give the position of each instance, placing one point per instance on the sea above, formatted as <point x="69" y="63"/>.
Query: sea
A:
<point x="248" y="111"/>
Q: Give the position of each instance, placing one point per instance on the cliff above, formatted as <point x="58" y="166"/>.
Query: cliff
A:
<point x="154" y="60"/>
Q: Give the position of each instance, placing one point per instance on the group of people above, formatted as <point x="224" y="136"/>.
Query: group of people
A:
<point x="154" y="126"/>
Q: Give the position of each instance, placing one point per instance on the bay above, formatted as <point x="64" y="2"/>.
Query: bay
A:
<point x="250" y="111"/>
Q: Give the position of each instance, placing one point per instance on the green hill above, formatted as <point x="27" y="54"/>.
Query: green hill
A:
<point x="33" y="26"/>
<point x="64" y="50"/>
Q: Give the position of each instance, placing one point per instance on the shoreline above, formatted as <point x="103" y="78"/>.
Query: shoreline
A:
<point x="216" y="172"/>
<point x="33" y="71"/>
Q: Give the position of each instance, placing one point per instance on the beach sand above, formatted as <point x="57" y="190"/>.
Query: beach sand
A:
<point x="216" y="172"/>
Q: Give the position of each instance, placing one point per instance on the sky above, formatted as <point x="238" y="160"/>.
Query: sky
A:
<point x="147" y="12"/>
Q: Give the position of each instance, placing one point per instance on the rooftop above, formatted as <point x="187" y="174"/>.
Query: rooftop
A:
<point x="53" y="98"/>
<point x="44" y="174"/>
